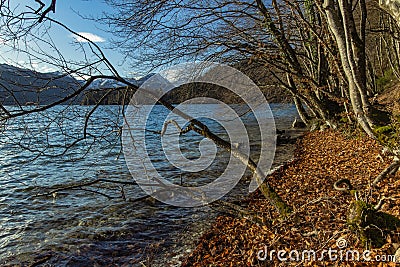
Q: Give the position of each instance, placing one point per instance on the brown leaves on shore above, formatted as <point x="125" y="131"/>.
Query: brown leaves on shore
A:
<point x="319" y="220"/>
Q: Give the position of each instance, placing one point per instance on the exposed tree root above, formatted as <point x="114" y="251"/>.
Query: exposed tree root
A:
<point x="391" y="169"/>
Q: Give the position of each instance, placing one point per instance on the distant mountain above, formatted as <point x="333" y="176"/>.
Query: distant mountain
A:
<point x="24" y="86"/>
<point x="28" y="87"/>
<point x="109" y="83"/>
<point x="121" y="94"/>
<point x="140" y="81"/>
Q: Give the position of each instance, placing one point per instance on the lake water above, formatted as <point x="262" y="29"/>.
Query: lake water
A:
<point x="94" y="224"/>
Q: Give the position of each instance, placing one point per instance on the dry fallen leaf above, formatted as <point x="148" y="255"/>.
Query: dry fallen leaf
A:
<point x="321" y="158"/>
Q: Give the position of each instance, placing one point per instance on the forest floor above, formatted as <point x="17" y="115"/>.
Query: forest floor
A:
<point x="390" y="99"/>
<point x="319" y="220"/>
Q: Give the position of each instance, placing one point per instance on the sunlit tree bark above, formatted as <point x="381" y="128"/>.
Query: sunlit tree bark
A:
<point x="351" y="49"/>
<point x="314" y="49"/>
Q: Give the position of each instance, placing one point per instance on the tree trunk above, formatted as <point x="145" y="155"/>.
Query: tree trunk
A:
<point x="349" y="46"/>
<point x="300" y="109"/>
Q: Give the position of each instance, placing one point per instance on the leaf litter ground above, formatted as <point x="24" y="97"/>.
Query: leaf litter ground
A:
<point x="319" y="219"/>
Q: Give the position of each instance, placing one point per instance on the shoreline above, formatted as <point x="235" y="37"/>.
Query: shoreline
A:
<point x="186" y="241"/>
<point x="320" y="159"/>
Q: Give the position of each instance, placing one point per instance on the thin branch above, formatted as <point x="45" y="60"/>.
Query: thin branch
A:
<point x="164" y="129"/>
<point x="52" y="7"/>
<point x="80" y="185"/>
<point x="61" y="101"/>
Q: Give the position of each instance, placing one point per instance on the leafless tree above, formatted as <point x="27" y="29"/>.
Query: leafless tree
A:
<point x="23" y="31"/>
<point x="314" y="49"/>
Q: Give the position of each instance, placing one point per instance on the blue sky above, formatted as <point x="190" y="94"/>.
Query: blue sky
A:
<point x="67" y="12"/>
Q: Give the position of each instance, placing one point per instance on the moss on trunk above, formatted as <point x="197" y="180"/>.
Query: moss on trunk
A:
<point x="370" y="225"/>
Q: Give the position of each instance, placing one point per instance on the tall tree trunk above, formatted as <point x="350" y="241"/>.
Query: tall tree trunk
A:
<point x="300" y="109"/>
<point x="355" y="50"/>
<point x="351" y="58"/>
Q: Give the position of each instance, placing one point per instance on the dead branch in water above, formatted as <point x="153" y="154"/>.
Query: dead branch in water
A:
<point x="80" y="186"/>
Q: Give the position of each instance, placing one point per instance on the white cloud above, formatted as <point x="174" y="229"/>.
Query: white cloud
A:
<point x="91" y="36"/>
